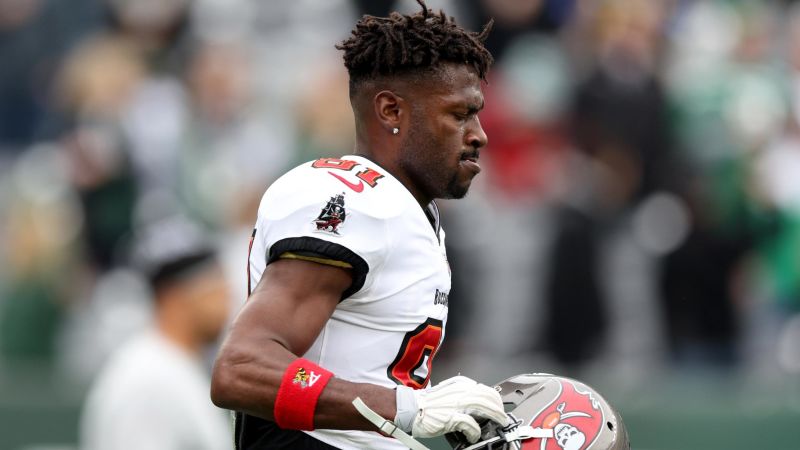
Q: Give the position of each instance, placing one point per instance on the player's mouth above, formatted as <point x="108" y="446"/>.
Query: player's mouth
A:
<point x="469" y="160"/>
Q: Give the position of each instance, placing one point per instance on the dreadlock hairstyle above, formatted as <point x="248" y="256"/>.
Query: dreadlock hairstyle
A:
<point x="380" y="46"/>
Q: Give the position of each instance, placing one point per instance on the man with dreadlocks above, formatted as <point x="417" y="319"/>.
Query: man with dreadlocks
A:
<point x="348" y="259"/>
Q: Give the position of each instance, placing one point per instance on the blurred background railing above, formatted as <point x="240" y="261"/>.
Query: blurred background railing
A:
<point x="637" y="224"/>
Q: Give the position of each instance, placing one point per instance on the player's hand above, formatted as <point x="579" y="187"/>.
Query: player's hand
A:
<point x="452" y="405"/>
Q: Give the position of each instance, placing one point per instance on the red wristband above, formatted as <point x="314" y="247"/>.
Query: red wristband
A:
<point x="300" y="388"/>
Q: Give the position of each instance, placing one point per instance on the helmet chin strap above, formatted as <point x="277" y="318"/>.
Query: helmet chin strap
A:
<point x="514" y="434"/>
<point x="387" y="426"/>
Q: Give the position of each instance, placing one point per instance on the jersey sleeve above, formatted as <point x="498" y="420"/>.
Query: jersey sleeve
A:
<point x="311" y="216"/>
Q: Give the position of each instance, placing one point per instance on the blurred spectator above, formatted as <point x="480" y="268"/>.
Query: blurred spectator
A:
<point x="698" y="281"/>
<point x="101" y="175"/>
<point x="620" y="110"/>
<point x="230" y="146"/>
<point x="39" y="229"/>
<point x="34" y="34"/>
<point x="96" y="83"/>
<point x="619" y="127"/>
<point x="776" y="192"/>
<point x="159" y="28"/>
<point x="727" y="100"/>
<point x="154" y="391"/>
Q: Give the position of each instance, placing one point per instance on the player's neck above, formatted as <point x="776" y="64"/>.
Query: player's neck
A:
<point x="364" y="149"/>
<point x="388" y="163"/>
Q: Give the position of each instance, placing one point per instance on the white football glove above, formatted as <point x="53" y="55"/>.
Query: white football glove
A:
<point x="451" y="405"/>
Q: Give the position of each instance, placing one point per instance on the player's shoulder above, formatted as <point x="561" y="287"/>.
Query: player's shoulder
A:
<point x="358" y="182"/>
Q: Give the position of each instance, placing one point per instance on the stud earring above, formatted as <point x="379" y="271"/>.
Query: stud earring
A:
<point x="395" y="130"/>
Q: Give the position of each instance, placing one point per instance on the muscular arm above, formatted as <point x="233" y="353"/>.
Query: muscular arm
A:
<point x="282" y="318"/>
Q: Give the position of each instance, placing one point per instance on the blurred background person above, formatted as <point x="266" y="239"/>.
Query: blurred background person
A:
<point x="154" y="390"/>
<point x="621" y="148"/>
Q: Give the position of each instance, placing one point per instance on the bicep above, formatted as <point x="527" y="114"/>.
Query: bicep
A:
<point x="279" y="322"/>
<point x="291" y="304"/>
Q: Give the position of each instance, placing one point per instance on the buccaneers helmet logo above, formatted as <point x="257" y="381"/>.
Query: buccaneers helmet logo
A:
<point x="575" y="418"/>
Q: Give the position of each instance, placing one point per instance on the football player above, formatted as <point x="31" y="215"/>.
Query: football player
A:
<point x="348" y="266"/>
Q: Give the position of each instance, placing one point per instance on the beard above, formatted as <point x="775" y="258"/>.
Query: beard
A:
<point x="428" y="176"/>
<point x="455" y="190"/>
<point x="425" y="163"/>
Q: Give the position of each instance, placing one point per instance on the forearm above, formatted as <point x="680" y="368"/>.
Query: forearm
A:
<point x="249" y="381"/>
<point x="280" y="321"/>
<point x="335" y="408"/>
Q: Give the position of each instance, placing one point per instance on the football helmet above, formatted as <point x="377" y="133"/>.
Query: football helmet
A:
<point x="550" y="412"/>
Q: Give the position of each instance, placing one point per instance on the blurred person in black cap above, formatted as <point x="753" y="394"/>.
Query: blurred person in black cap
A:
<point x="153" y="393"/>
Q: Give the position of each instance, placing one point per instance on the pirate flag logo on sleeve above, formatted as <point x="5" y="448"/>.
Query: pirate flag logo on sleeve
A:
<point x="332" y="215"/>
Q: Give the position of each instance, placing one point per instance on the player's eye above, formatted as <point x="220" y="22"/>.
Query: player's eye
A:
<point x="465" y="115"/>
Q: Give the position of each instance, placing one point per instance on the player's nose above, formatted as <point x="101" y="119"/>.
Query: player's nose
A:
<point x="476" y="137"/>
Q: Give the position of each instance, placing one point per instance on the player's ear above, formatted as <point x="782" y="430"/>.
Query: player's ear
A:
<point x="389" y="109"/>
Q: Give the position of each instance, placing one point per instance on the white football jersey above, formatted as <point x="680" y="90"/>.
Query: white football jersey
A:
<point x="390" y="323"/>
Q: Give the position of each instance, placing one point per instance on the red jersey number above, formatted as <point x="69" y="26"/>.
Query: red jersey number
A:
<point x="368" y="175"/>
<point x="418" y="348"/>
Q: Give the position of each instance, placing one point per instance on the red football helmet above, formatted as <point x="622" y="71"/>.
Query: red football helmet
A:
<point x="549" y="412"/>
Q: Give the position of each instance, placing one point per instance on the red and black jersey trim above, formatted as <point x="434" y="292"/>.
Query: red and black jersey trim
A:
<point x="311" y="246"/>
